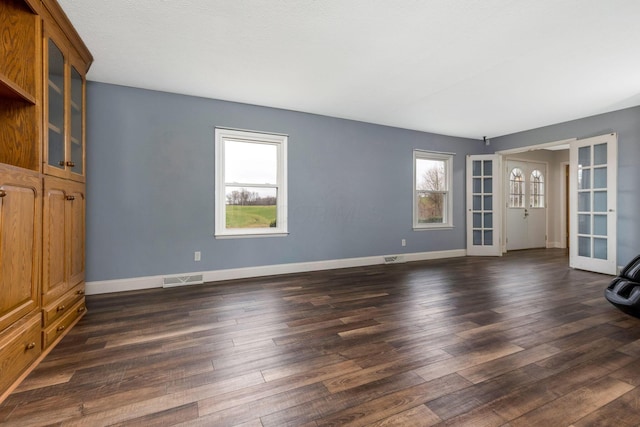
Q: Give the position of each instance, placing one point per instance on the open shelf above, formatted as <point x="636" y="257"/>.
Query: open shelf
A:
<point x="11" y="90"/>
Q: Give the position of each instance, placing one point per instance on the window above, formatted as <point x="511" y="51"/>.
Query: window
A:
<point x="537" y="189"/>
<point x="516" y="188"/>
<point x="432" y="201"/>
<point x="251" y="183"/>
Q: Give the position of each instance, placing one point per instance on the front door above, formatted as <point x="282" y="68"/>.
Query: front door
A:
<point x="525" y="192"/>
<point x="593" y="191"/>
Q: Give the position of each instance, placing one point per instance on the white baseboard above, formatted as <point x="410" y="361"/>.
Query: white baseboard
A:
<point x="557" y="245"/>
<point x="149" y="282"/>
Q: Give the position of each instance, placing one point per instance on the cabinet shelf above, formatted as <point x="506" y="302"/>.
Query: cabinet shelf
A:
<point x="55" y="87"/>
<point x="10" y="89"/>
<point x="55" y="128"/>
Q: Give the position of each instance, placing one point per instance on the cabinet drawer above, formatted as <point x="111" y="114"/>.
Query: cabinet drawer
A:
<point x="19" y="347"/>
<point x="62" y="305"/>
<point x="50" y="334"/>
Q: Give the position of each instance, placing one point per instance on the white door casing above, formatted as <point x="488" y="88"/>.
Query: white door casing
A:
<point x="483" y="205"/>
<point x="593" y="203"/>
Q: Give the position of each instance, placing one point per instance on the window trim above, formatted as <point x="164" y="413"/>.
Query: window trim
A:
<point x="448" y="162"/>
<point x="279" y="140"/>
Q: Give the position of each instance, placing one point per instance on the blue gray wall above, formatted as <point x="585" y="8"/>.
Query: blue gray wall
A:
<point x="627" y="124"/>
<point x="150" y="186"/>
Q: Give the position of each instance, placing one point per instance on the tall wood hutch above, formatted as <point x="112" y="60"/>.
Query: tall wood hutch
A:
<point x="43" y="63"/>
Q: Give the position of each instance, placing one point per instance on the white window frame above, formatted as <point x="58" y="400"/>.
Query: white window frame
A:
<point x="448" y="172"/>
<point x="280" y="141"/>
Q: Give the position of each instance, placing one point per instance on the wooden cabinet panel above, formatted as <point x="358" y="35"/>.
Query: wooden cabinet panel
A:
<point x="62" y="305"/>
<point x="19" y="346"/>
<point x="63" y="237"/>
<point x="58" y="328"/>
<point x="76" y="220"/>
<point x="20" y="219"/>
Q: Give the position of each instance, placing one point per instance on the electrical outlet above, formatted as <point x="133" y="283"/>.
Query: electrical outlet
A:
<point x="404" y="242"/>
<point x="196" y="256"/>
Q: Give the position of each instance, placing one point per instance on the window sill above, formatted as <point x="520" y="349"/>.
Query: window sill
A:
<point x="249" y="236"/>
<point x="434" y="227"/>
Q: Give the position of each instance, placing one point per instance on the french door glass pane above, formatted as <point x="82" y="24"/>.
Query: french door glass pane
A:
<point x="600" y="177"/>
<point x="477" y="220"/>
<point x="477" y="237"/>
<point x="488" y="220"/>
<point x="584" y="156"/>
<point x="599" y="201"/>
<point x="477" y="203"/>
<point x="488" y="185"/>
<point x="477" y="185"/>
<point x="477" y="168"/>
<point x="584" y="224"/>
<point x="488" y="168"/>
<point x="600" y="225"/>
<point x="584" y="246"/>
<point x="584" y="202"/>
<point x="599" y="248"/>
<point x="584" y="179"/>
<point x="600" y="154"/>
<point x="488" y="203"/>
<point x="488" y="237"/>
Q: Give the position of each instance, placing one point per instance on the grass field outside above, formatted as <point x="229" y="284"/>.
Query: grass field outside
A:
<point x="251" y="216"/>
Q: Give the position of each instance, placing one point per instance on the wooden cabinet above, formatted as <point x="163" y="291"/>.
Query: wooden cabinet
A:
<point x="63" y="250"/>
<point x="64" y="147"/>
<point x="20" y="224"/>
<point x="43" y="63"/>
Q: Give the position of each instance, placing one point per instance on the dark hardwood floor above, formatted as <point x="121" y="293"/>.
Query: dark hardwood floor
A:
<point x="520" y="340"/>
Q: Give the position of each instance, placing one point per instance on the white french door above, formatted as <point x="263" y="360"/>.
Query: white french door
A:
<point x="593" y="191"/>
<point x="483" y="205"/>
<point x="526" y="217"/>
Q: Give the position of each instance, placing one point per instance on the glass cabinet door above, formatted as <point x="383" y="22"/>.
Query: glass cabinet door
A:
<point x="56" y="101"/>
<point x="77" y="123"/>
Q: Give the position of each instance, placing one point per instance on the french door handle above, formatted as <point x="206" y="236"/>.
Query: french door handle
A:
<point x="612" y="210"/>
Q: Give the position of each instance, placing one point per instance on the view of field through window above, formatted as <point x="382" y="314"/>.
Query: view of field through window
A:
<point x="431" y="187"/>
<point x="251" y="192"/>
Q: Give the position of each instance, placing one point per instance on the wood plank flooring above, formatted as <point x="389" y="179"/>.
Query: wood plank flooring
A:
<point x="520" y="340"/>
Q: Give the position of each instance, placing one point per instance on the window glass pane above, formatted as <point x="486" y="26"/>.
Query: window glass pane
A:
<point x="488" y="185"/>
<point x="584" y="156"/>
<point x="477" y="168"/>
<point x="431" y="208"/>
<point x="600" y="178"/>
<point x="584" y="224"/>
<point x="430" y="175"/>
<point x="250" y="207"/>
<point x="477" y="220"/>
<point x="600" y="248"/>
<point x="488" y="237"/>
<point x="250" y="162"/>
<point x="477" y="203"/>
<point x="488" y="203"/>
<point x="488" y="220"/>
<point x="488" y="168"/>
<point x="584" y="179"/>
<point x="477" y="238"/>
<point x="599" y="201"/>
<point x="600" y="225"/>
<point x="600" y="154"/>
<point x="516" y="188"/>
<point x="584" y="246"/>
<point x="584" y="201"/>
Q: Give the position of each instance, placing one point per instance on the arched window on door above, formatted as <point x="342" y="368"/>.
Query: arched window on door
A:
<point x="537" y="189"/>
<point x="516" y="188"/>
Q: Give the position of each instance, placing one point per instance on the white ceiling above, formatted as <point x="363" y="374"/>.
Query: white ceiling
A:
<point x="456" y="67"/>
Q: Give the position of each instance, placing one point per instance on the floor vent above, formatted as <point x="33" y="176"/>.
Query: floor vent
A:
<point x="393" y="259"/>
<point x="173" y="281"/>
